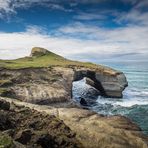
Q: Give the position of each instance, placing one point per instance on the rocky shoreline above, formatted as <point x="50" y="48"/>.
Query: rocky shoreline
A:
<point x="89" y="130"/>
<point x="41" y="96"/>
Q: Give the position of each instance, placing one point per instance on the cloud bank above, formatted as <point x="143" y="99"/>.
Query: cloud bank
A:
<point x="98" y="44"/>
<point x="80" y="39"/>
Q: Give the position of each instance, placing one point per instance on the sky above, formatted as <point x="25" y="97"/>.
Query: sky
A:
<point x="87" y="30"/>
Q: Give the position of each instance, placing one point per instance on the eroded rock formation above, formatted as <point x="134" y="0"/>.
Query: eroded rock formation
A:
<point x="109" y="82"/>
<point x="22" y="127"/>
<point x="24" y="123"/>
<point x="92" y="130"/>
<point x="54" y="84"/>
<point x="39" y="85"/>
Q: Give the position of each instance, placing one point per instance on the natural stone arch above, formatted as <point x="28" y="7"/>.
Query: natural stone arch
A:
<point x="92" y="81"/>
<point x="110" y="83"/>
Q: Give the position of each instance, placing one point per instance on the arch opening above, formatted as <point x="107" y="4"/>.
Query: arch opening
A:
<point x="84" y="92"/>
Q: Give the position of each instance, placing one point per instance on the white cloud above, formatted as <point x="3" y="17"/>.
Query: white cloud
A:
<point x="8" y="7"/>
<point x="5" y="7"/>
<point x="20" y="45"/>
<point x="133" y="17"/>
<point x="128" y="40"/>
<point x="137" y="15"/>
<point x="142" y="4"/>
<point x="124" y="36"/>
<point x="77" y="40"/>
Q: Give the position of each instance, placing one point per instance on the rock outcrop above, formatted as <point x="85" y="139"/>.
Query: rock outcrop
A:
<point x="22" y="127"/>
<point x="50" y="82"/>
<point x="109" y="82"/>
<point x="92" y="130"/>
<point x="39" y="85"/>
<point x="54" y="84"/>
<point x="37" y="51"/>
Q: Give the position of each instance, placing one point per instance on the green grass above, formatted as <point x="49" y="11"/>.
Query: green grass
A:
<point x="46" y="60"/>
<point x="5" y="141"/>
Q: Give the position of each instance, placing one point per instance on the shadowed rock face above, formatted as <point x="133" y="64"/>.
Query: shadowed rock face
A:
<point x="22" y="127"/>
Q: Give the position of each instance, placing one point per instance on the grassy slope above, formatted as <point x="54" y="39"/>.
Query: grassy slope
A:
<point x="46" y="60"/>
<point x="49" y="59"/>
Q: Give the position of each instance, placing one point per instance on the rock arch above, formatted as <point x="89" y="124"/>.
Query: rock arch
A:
<point x="90" y="79"/>
<point x="110" y="83"/>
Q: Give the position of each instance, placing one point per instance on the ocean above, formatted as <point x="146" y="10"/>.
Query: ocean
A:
<point x="134" y="103"/>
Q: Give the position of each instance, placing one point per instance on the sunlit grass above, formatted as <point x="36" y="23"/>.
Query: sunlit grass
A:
<point x="47" y="60"/>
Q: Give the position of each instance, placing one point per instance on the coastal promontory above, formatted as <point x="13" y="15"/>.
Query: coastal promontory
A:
<point x="36" y="101"/>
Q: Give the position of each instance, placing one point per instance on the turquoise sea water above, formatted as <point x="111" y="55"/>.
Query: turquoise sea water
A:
<point x="134" y="103"/>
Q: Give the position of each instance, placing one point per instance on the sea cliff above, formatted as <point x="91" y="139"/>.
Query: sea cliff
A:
<point x="42" y="83"/>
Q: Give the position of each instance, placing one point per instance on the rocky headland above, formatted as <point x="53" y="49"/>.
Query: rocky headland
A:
<point x="38" y="89"/>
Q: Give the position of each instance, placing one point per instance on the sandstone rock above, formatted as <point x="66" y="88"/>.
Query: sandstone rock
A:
<point x="89" y="82"/>
<point x="109" y="82"/>
<point x="37" y="51"/>
<point x="112" y="84"/>
<point x="50" y="85"/>
<point x="91" y="129"/>
<point x="96" y="131"/>
<point x="41" y="86"/>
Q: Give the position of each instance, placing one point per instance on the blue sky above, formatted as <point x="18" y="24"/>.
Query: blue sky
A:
<point x="88" y="30"/>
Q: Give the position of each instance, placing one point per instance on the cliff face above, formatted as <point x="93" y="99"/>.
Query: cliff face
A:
<point x="53" y="83"/>
<point x="109" y="82"/>
<point x="48" y="85"/>
<point x="46" y="78"/>
<point x="43" y="85"/>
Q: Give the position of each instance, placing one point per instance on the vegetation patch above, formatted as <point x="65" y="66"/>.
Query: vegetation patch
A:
<point x="5" y="83"/>
<point x="40" y="59"/>
<point x="5" y="141"/>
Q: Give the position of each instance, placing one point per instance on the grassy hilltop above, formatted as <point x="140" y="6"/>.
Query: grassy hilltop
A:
<point x="41" y="57"/>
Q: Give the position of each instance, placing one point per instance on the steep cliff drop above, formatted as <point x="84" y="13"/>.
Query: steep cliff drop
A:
<point x="45" y="77"/>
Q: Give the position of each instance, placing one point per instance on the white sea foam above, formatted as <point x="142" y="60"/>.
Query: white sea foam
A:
<point x="131" y="103"/>
<point x="130" y="98"/>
